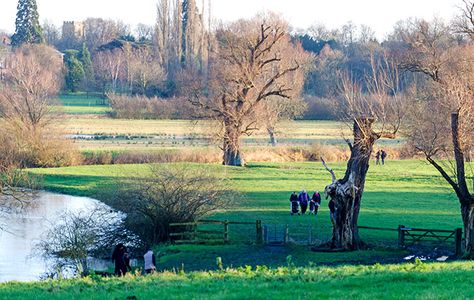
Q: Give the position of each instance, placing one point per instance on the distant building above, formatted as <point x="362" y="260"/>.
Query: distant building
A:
<point x="73" y="30"/>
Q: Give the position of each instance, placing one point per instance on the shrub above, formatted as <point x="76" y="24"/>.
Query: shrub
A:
<point x="141" y="107"/>
<point x="171" y="194"/>
<point x="76" y="236"/>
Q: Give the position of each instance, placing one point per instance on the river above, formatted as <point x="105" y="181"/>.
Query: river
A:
<point x="23" y="230"/>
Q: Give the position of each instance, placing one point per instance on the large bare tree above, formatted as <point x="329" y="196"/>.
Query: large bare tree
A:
<point x="442" y="112"/>
<point x="32" y="80"/>
<point x="248" y="69"/>
<point x="374" y="114"/>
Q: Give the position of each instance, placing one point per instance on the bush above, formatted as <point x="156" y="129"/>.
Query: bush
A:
<point x="77" y="236"/>
<point x="44" y="147"/>
<point x="171" y="194"/>
<point x="320" y="109"/>
<point x="141" y="107"/>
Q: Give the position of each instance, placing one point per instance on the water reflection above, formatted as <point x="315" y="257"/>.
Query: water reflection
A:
<point x="23" y="230"/>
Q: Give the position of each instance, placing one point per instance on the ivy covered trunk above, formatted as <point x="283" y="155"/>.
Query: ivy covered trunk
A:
<point x="347" y="192"/>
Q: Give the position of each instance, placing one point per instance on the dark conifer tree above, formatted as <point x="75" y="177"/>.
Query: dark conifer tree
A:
<point x="27" y="26"/>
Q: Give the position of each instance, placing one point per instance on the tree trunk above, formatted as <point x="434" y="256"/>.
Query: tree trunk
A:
<point x="465" y="198"/>
<point x="231" y="146"/>
<point x="271" y="133"/>
<point x="347" y="192"/>
<point x="467" y="211"/>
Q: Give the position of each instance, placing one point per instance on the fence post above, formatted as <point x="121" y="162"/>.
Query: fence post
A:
<point x="401" y="236"/>
<point x="259" y="232"/>
<point x="458" y="246"/>
<point x="226" y="231"/>
<point x="287" y="234"/>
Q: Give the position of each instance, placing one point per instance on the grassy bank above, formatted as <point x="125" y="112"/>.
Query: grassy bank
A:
<point x="406" y="281"/>
<point x="402" y="192"/>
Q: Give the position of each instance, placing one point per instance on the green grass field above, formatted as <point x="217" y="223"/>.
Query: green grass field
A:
<point x="88" y="116"/>
<point x="82" y="104"/>
<point x="402" y="192"/>
<point x="405" y="281"/>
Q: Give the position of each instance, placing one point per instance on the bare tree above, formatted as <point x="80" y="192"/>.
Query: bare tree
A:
<point x="144" y="69"/>
<point x="464" y="23"/>
<point x="443" y="107"/>
<point x="272" y="111"/>
<point x="449" y="111"/>
<point x="32" y="80"/>
<point x="51" y="33"/>
<point x="375" y="114"/>
<point x="171" y="194"/>
<point x="99" y="32"/>
<point x="144" y="32"/>
<point x="247" y="70"/>
<point x="75" y="237"/>
<point x="109" y="67"/>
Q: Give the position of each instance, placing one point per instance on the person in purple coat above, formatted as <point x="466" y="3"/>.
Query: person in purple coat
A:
<point x="303" y="199"/>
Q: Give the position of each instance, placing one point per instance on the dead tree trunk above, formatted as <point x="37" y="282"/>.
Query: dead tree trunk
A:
<point x="347" y="192"/>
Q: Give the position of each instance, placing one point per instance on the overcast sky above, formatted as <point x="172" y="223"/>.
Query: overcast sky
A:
<point x="381" y="15"/>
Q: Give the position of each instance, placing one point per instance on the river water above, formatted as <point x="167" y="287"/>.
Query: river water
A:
<point x="23" y="230"/>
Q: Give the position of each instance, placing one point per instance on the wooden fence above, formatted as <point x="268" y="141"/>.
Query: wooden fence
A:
<point x="218" y="232"/>
<point x="194" y="233"/>
<point x="411" y="236"/>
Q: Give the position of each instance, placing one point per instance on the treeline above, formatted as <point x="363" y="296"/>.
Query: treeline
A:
<point x="155" y="61"/>
<point x="108" y="57"/>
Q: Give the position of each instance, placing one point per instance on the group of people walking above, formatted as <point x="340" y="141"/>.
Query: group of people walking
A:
<point x="300" y="203"/>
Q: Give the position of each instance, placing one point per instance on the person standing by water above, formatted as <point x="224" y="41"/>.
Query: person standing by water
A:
<point x="294" y="204"/>
<point x="118" y="257"/>
<point x="303" y="199"/>
<point x="150" y="261"/>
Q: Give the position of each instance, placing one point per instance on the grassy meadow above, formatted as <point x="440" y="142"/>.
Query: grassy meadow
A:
<point x="86" y="118"/>
<point x="401" y="192"/>
<point x="82" y="104"/>
<point x="406" y="281"/>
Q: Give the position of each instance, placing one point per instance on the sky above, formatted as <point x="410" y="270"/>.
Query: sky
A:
<point x="381" y="15"/>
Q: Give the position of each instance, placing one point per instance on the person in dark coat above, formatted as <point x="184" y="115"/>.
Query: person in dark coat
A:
<point x="377" y="158"/>
<point x="294" y="204"/>
<point x="383" y="155"/>
<point x="315" y="203"/>
<point x="118" y="257"/>
<point x="303" y="199"/>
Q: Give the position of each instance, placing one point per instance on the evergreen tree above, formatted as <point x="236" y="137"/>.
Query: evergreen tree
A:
<point x="28" y="29"/>
<point x="75" y="71"/>
<point x="88" y="67"/>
